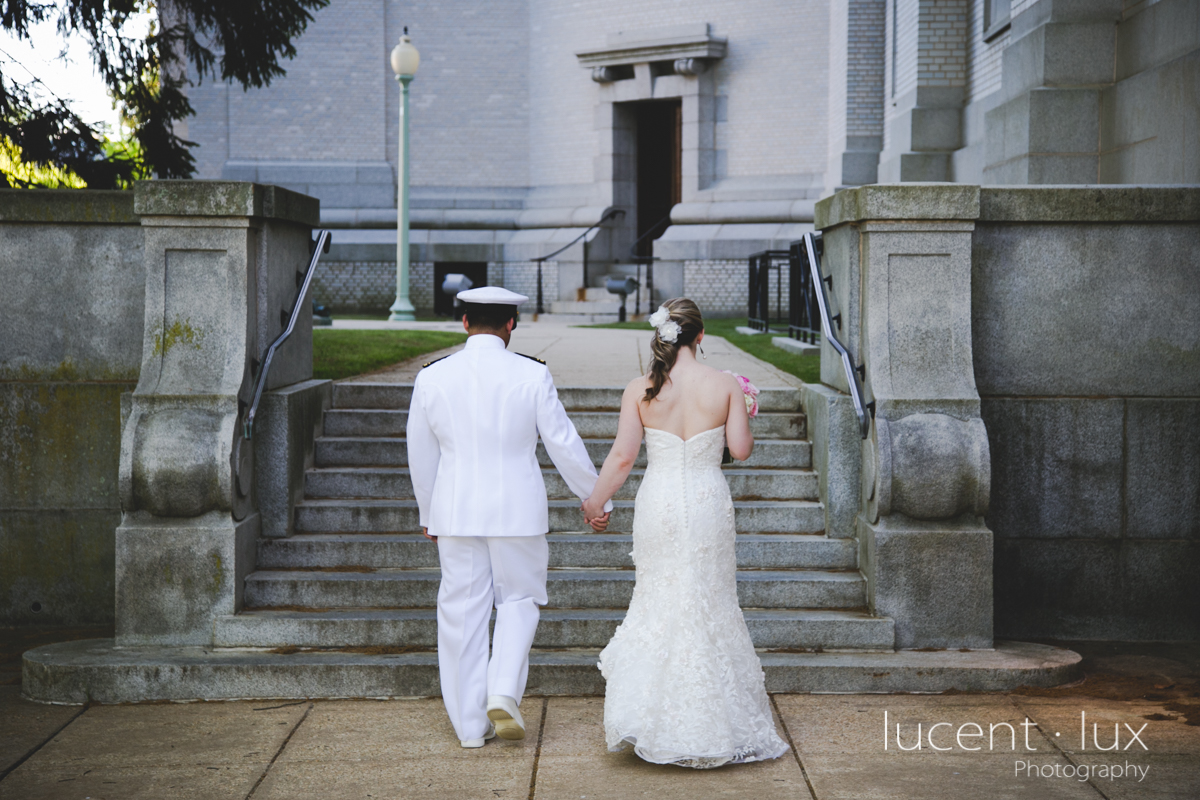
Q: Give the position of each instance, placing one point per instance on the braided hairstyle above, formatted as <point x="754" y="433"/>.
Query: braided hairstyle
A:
<point x="687" y="315"/>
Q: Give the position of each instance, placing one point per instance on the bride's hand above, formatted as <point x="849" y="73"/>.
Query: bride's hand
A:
<point x="593" y="514"/>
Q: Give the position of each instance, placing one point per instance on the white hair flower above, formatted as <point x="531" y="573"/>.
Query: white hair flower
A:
<point x="668" y="329"/>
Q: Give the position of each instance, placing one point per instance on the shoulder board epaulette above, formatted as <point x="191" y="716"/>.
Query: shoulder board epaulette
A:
<point x="427" y="363"/>
<point x="532" y="358"/>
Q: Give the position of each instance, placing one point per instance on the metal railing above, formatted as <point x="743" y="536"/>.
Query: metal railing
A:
<point x="612" y="212"/>
<point x="809" y="250"/>
<point x="656" y="230"/>
<point x="759" y="295"/>
<point x="321" y="245"/>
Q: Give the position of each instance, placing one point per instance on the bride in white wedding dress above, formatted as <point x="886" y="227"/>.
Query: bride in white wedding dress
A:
<point x="684" y="685"/>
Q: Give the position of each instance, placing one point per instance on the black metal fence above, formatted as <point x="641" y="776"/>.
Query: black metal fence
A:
<point x="804" y="316"/>
<point x="800" y="315"/>
<point x="761" y="266"/>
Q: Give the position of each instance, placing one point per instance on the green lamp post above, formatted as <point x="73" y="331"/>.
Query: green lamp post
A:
<point x="405" y="60"/>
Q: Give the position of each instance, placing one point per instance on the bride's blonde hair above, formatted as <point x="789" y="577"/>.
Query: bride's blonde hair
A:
<point x="687" y="315"/>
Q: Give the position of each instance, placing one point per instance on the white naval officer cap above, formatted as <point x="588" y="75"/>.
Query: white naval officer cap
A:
<point x="492" y="295"/>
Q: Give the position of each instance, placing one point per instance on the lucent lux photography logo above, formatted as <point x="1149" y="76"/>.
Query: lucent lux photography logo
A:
<point x="1004" y="736"/>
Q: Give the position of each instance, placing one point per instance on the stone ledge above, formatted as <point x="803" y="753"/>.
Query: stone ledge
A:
<point x="899" y="201"/>
<point x="187" y="198"/>
<point x="95" y="671"/>
<point x="1113" y="203"/>
<point x="58" y="206"/>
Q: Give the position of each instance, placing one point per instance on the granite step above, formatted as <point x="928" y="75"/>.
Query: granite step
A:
<point x="401" y="516"/>
<point x="796" y="628"/>
<point x="589" y="424"/>
<point x="396" y="482"/>
<point x="396" y="396"/>
<point x="565" y="588"/>
<point x="567" y="550"/>
<point x="377" y="451"/>
<point x="96" y="671"/>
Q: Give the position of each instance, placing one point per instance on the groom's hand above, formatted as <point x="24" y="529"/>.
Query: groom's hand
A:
<point x="425" y="532"/>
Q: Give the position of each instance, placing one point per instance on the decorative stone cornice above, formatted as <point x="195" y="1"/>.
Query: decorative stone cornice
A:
<point x="674" y="43"/>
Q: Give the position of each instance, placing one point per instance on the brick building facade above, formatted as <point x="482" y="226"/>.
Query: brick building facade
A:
<point x="527" y="117"/>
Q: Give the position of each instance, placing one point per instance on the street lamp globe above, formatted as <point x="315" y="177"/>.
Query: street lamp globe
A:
<point x="405" y="58"/>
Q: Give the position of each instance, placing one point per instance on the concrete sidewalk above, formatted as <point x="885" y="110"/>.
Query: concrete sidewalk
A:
<point x="581" y="356"/>
<point x="406" y="748"/>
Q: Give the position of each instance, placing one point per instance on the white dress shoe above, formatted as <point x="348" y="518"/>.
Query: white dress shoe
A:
<point x="491" y="734"/>
<point x="503" y="713"/>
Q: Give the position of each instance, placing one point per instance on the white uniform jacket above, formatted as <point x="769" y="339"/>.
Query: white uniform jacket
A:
<point x="473" y="427"/>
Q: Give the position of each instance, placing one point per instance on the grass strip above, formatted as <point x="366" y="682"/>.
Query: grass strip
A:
<point x="807" y="368"/>
<point x="345" y="353"/>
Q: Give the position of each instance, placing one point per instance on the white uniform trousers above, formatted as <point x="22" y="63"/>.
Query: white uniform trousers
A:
<point x="478" y="572"/>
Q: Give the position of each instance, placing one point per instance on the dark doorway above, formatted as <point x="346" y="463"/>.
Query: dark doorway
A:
<point x="443" y="304"/>
<point x="659" y="156"/>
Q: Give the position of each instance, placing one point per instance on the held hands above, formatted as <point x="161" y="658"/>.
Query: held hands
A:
<point x="594" y="514"/>
<point x="425" y="531"/>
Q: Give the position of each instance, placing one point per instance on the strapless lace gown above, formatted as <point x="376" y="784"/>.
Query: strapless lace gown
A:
<point x="684" y="685"/>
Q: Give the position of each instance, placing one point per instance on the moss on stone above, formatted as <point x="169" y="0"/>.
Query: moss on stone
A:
<point x="86" y="206"/>
<point x="179" y="332"/>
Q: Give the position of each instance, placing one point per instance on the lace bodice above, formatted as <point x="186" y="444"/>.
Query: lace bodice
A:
<point x="684" y="685"/>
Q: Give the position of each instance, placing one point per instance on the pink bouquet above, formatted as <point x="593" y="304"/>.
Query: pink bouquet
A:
<point x="749" y="392"/>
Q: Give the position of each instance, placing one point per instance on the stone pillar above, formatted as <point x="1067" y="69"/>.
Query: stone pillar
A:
<point x="927" y="77"/>
<point x="856" y="49"/>
<point x="925" y="469"/>
<point x="220" y="268"/>
<point x="1058" y="63"/>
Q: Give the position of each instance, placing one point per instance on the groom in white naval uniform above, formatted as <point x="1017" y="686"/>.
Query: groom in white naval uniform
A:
<point x="473" y="427"/>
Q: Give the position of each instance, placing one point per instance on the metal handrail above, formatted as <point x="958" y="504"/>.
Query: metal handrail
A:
<point x="633" y="253"/>
<point x="321" y="246"/>
<point x="865" y="411"/>
<point x="612" y="212"/>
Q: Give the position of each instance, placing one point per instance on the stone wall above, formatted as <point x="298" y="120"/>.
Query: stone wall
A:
<point x="1072" y="324"/>
<point x="70" y="345"/>
<point x="1087" y="359"/>
<point x="81" y="267"/>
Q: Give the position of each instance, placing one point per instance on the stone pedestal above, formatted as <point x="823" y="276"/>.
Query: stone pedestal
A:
<point x="221" y="262"/>
<point x="900" y="257"/>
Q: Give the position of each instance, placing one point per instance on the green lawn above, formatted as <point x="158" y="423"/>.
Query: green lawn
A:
<point x="383" y="315"/>
<point x="343" y="354"/>
<point x="806" y="368"/>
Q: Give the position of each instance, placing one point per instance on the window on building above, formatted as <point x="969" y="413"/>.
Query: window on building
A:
<point x="996" y="14"/>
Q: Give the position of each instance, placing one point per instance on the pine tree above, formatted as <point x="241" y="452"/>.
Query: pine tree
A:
<point x="239" y="41"/>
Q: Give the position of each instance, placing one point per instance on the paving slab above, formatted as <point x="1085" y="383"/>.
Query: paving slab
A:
<point x="1162" y="732"/>
<point x="582" y="356"/>
<point x="225" y="782"/>
<point x="854" y="724"/>
<point x="398" y="749"/>
<point x="879" y="777"/>
<point x="171" y="736"/>
<point x="575" y="762"/>
<point x="443" y="778"/>
<point x="24" y="726"/>
<point x="380" y="731"/>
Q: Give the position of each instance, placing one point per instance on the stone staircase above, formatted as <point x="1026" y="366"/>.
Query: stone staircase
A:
<point x="357" y="573"/>
<point x="345" y="605"/>
<point x="595" y="304"/>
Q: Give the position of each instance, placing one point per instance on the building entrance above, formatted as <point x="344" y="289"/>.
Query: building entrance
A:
<point x="659" y="161"/>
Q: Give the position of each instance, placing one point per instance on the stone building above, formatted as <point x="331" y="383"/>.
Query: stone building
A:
<point x="714" y="126"/>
